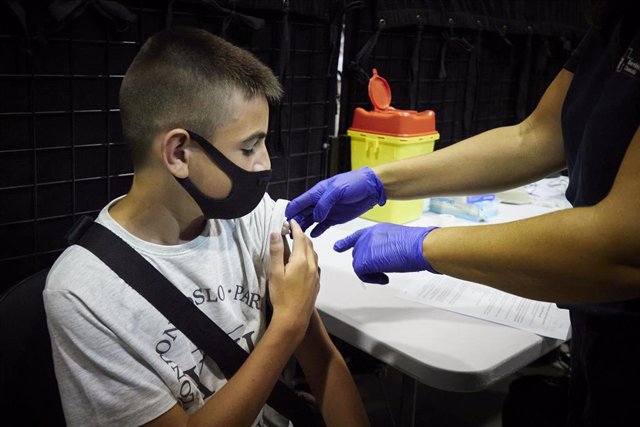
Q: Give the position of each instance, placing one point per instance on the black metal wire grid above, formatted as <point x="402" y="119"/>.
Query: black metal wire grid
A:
<point x="62" y="152"/>
<point x="473" y="79"/>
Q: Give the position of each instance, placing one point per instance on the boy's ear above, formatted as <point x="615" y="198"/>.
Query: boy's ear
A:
<point x="175" y="152"/>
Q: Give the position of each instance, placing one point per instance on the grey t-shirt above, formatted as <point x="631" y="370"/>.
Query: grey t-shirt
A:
<point x="117" y="359"/>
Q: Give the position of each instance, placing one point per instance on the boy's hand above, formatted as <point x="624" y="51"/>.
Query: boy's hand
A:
<point x="293" y="287"/>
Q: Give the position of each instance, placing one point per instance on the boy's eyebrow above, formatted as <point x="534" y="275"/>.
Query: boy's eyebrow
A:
<point x="253" y="137"/>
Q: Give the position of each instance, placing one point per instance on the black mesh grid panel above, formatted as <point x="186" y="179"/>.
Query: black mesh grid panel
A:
<point x="62" y="153"/>
<point x="477" y="65"/>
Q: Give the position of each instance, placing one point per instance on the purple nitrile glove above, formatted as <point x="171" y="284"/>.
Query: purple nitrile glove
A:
<point x="337" y="200"/>
<point x="386" y="248"/>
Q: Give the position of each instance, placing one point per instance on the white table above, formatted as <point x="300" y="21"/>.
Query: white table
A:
<point x="441" y="349"/>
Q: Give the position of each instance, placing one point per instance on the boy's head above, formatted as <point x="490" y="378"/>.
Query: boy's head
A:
<point x="184" y="78"/>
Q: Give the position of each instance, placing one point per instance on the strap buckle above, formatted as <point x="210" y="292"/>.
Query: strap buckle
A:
<point x="78" y="229"/>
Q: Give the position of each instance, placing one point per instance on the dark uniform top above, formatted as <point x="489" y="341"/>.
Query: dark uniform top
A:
<point x="600" y="115"/>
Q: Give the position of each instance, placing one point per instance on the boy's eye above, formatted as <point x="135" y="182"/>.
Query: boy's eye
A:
<point x="247" y="151"/>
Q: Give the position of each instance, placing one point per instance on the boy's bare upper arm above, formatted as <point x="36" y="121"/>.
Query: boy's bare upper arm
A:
<point x="175" y="416"/>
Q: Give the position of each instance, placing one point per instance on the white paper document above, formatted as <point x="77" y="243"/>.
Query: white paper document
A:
<point x="484" y="302"/>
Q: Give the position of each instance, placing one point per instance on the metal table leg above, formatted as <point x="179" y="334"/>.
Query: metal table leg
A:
<point x="408" y="402"/>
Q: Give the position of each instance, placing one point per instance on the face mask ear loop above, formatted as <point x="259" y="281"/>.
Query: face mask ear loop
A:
<point x="247" y="188"/>
<point x="212" y="152"/>
<point x="227" y="166"/>
<point x="219" y="159"/>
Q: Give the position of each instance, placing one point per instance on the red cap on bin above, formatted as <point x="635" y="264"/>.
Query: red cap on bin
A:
<point x="388" y="120"/>
<point x="379" y="92"/>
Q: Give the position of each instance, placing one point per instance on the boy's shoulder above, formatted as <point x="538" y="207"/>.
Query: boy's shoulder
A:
<point x="75" y="268"/>
<point x="266" y="218"/>
<point x="256" y="223"/>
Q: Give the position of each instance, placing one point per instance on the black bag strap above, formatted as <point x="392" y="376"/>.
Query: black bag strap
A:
<point x="138" y="273"/>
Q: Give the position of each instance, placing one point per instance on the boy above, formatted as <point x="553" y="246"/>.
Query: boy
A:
<point x="195" y="110"/>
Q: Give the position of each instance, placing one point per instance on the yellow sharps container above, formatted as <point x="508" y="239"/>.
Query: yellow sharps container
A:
<point x="386" y="134"/>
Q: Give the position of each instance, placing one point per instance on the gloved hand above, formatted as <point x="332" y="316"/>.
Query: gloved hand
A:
<point x="337" y="200"/>
<point x="386" y="248"/>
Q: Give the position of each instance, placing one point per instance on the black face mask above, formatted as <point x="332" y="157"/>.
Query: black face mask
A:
<point x="247" y="188"/>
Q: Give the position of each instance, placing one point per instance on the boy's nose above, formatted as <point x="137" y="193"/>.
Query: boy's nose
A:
<point x="262" y="159"/>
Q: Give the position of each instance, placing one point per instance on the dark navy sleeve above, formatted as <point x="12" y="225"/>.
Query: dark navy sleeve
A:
<point x="574" y="59"/>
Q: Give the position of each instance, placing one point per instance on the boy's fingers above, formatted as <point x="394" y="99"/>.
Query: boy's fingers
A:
<point x="312" y="256"/>
<point x="302" y="245"/>
<point x="296" y="231"/>
<point x="276" y="248"/>
<point x="299" y="239"/>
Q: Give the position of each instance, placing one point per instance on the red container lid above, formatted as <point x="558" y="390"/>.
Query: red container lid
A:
<point x="385" y="119"/>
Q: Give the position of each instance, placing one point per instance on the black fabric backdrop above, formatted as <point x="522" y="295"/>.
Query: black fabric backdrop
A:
<point x="477" y="64"/>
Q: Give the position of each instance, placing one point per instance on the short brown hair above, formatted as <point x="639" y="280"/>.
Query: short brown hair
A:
<point x="183" y="77"/>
